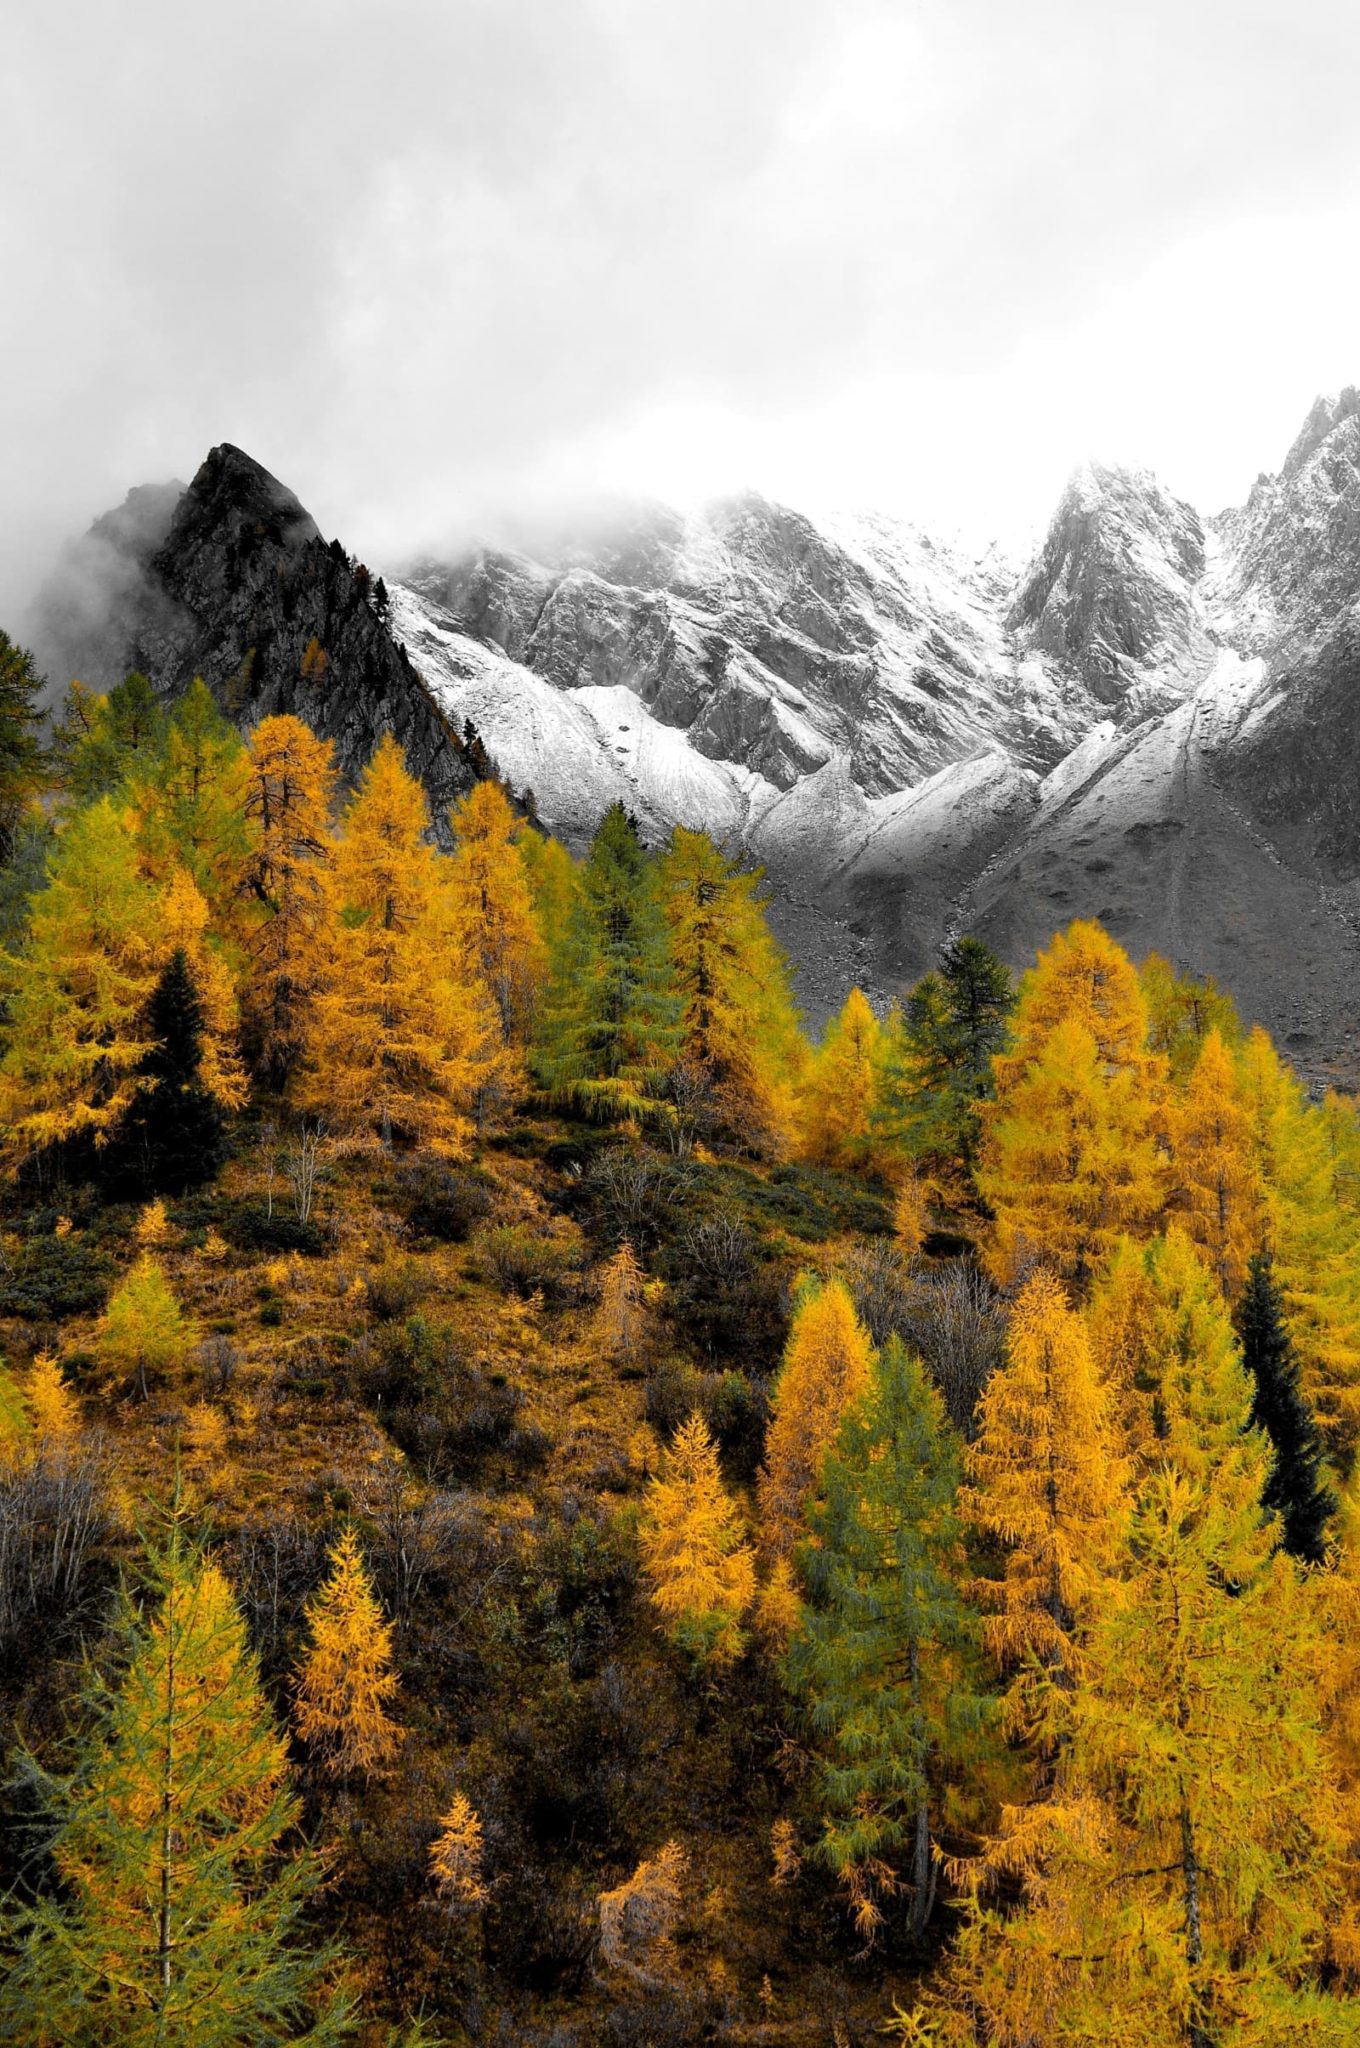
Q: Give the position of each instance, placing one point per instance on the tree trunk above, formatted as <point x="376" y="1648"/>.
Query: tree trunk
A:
<point x="1198" y="2033"/>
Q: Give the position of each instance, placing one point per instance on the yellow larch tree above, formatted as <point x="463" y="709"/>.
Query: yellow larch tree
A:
<point x="285" y="791"/>
<point x="346" y="1680"/>
<point x="840" y="1092"/>
<point x="911" y="1214"/>
<point x="827" y="1366"/>
<point x="143" y="1330"/>
<point x="621" y="1318"/>
<point x="1181" y="1878"/>
<point x="700" y="1573"/>
<point x="492" y="909"/>
<point x="739" y="1028"/>
<point x="1214" y="1165"/>
<point x="52" y="1406"/>
<point x="1070" y="1159"/>
<point x="1044" y="1479"/>
<point x="398" y="1040"/>
<point x="458" y="1859"/>
<point x="77" y="995"/>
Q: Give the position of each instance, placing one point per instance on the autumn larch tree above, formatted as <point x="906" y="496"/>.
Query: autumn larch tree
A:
<point x="1182" y="1873"/>
<point x="609" y="1025"/>
<point x="187" y="799"/>
<point x="77" y="994"/>
<point x="1297" y="1488"/>
<point x="840" y="1093"/>
<point x="52" y="1406"/>
<point x="1045" y="1481"/>
<point x="739" y="1028"/>
<point x="492" y="914"/>
<point x="143" y="1330"/>
<point x="398" y="1040"/>
<point x="1182" y="1013"/>
<point x="346" y="1680"/>
<point x="700" y="1573"/>
<point x="826" y="1367"/>
<point x="285" y="793"/>
<point x="884" y="1653"/>
<point x="103" y="743"/>
<point x="1214" y="1167"/>
<point x="177" y="1915"/>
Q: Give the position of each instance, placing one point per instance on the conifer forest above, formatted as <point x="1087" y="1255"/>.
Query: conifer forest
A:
<point x="540" y="1506"/>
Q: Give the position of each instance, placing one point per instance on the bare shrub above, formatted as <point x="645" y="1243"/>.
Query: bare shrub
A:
<point x="53" y="1516"/>
<point x="950" y="1314"/>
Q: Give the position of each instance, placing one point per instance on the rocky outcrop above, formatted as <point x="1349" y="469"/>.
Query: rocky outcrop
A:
<point x="235" y="587"/>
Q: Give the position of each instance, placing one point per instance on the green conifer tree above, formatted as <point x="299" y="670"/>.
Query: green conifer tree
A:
<point x="885" y="1651"/>
<point x="952" y="1024"/>
<point x="610" y="1025"/>
<point x="1296" y="1489"/>
<point x="21" y="762"/>
<point x="177" y="1915"/>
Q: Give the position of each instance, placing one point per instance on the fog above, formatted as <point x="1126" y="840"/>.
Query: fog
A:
<point x="449" y="263"/>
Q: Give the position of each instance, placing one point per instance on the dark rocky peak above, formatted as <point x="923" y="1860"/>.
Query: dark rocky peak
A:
<point x="1110" y="591"/>
<point x="239" y="587"/>
<point x="1291" y="554"/>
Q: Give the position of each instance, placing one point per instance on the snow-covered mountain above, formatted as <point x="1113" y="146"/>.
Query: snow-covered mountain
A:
<point x="1156" y="720"/>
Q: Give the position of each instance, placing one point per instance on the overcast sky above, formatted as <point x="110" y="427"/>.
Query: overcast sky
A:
<point x="436" y="261"/>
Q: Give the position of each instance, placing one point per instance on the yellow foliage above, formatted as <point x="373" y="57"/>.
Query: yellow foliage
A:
<point x="143" y="1329"/>
<point x="1045" y="1480"/>
<point x="491" y="909"/>
<point x="54" y="1409"/>
<point x="346" y="1680"/>
<point x="827" y="1365"/>
<point x="911" y="1215"/>
<point x="457" y="1859"/>
<point x="215" y="1248"/>
<point x="153" y="1225"/>
<point x="621" y="1319"/>
<point x="842" y="1087"/>
<point x="1218" y="1176"/>
<point x="778" y="1608"/>
<point x="205" y="1435"/>
<point x="399" y="1042"/>
<point x="700" y="1574"/>
<point x="638" y="1918"/>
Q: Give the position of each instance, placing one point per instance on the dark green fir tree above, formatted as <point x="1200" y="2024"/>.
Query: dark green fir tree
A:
<point x="21" y="760"/>
<point x="171" y="1138"/>
<point x="953" y="1022"/>
<point x="1297" y="1489"/>
<point x="885" y="1652"/>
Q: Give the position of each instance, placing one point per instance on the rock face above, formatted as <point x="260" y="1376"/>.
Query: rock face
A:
<point x="232" y="581"/>
<point x="1156" y="722"/>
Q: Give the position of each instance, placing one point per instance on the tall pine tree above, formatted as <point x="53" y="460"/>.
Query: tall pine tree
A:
<point x="1297" y="1489"/>
<point x="172" y="1135"/>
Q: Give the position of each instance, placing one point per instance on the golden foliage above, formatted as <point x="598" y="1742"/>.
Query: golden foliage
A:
<point x="457" y="1859"/>
<point x="700" y="1574"/>
<point x="621" y="1318"/>
<point x="143" y="1329"/>
<point x="827" y="1363"/>
<point x="638" y="1918"/>
<point x="346" y="1681"/>
<point x="54" y="1409"/>
<point x="1218" y="1175"/>
<point x="492" y="922"/>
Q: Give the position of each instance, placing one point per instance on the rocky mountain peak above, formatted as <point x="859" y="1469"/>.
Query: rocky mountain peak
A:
<point x="1110" y="592"/>
<point x="1325" y="415"/>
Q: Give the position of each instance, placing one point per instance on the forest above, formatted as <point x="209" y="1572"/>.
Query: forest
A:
<point x="540" y="1506"/>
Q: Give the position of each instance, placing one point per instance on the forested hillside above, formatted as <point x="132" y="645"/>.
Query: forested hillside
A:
<point x="539" y="1507"/>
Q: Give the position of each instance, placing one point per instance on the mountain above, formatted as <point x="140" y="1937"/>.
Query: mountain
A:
<point x="1154" y="721"/>
<point x="231" y="579"/>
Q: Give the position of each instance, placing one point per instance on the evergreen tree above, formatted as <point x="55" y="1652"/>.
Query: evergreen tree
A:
<point x="840" y="1095"/>
<point x="739" y="1028"/>
<point x="171" y="1137"/>
<point x="700" y="1573"/>
<point x="178" y="1915"/>
<point x="346" y="1679"/>
<point x="285" y="791"/>
<point x="21" y="762"/>
<point x="1296" y="1489"/>
<point x="609" y="1027"/>
<point x="826" y="1368"/>
<point x="954" y="1023"/>
<point x="398" y="1042"/>
<point x="883" y="1653"/>
<point x="101" y="743"/>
